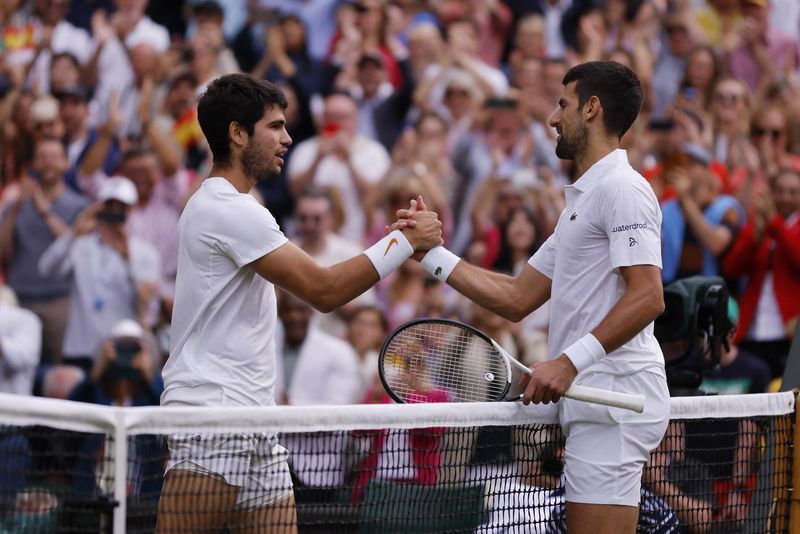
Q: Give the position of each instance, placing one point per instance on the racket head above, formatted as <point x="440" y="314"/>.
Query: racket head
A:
<point x="441" y="360"/>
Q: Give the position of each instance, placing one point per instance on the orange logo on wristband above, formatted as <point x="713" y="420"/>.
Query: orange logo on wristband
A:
<point x="393" y="241"/>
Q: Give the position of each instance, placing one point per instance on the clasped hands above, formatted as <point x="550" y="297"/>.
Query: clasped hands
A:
<point x="422" y="227"/>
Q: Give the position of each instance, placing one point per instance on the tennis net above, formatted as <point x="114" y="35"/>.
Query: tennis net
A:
<point x="724" y="466"/>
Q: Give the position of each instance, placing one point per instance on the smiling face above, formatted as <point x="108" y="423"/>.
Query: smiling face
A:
<point x="571" y="129"/>
<point x="262" y="156"/>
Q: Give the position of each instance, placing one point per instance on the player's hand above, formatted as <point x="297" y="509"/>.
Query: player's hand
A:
<point x="404" y="218"/>
<point x="427" y="232"/>
<point x="550" y="380"/>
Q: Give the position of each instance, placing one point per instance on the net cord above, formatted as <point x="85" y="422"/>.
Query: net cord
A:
<point x="67" y="415"/>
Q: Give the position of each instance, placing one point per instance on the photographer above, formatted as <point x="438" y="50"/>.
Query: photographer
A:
<point x="125" y="372"/>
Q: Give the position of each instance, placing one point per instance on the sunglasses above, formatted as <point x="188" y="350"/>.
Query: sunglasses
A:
<point x="775" y="133"/>
<point x="309" y="218"/>
<point x="728" y="97"/>
<point x="672" y="30"/>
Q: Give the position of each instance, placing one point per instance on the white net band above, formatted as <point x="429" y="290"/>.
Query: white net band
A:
<point x="15" y="410"/>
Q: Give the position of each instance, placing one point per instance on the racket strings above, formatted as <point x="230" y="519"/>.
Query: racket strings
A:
<point x="437" y="362"/>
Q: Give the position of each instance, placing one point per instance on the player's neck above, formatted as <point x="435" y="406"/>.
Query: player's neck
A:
<point x="596" y="149"/>
<point x="235" y="175"/>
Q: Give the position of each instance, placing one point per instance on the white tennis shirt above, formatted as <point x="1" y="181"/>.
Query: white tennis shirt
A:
<point x="223" y="321"/>
<point x="612" y="219"/>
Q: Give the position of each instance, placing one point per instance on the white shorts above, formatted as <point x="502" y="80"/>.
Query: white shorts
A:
<point x="607" y="448"/>
<point x="254" y="462"/>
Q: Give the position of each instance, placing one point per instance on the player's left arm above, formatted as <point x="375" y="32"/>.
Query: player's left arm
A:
<point x="641" y="303"/>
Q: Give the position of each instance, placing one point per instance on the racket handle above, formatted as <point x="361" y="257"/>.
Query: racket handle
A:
<point x="607" y="398"/>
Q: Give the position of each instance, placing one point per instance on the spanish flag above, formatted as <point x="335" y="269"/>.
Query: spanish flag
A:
<point x="186" y="129"/>
<point x="19" y="37"/>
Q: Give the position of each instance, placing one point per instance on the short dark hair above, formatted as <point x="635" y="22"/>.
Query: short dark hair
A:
<point x="239" y="98"/>
<point x="615" y="85"/>
<point x="137" y="151"/>
<point x="209" y="8"/>
<point x="315" y="192"/>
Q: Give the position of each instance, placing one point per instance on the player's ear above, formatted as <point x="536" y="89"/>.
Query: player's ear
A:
<point x="591" y="108"/>
<point x="237" y="134"/>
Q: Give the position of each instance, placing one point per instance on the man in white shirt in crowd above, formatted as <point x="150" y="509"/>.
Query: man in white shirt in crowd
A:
<point x="339" y="158"/>
<point x="230" y="253"/>
<point x="317" y="367"/>
<point x="601" y="271"/>
<point x="314" y="223"/>
<point x="112" y="275"/>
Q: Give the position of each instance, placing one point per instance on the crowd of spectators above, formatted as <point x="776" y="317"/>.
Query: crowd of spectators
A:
<point x="100" y="148"/>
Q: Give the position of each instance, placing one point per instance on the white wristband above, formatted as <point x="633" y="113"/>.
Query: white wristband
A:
<point x="389" y="253"/>
<point x="440" y="262"/>
<point x="584" y="352"/>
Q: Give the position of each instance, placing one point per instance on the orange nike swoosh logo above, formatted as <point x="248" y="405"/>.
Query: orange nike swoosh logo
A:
<point x="392" y="242"/>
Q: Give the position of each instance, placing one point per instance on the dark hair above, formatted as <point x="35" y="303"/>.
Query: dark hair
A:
<point x="615" y="85"/>
<point x="708" y="92"/>
<point x="314" y="192"/>
<point x="504" y="262"/>
<point x="66" y="55"/>
<point x="137" y="151"/>
<point x="425" y="115"/>
<point x="239" y="98"/>
<point x="185" y="76"/>
<point x="209" y="8"/>
<point x="370" y="308"/>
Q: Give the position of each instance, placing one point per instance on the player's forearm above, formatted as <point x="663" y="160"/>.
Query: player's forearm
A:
<point x="491" y="290"/>
<point x="637" y="308"/>
<point x="341" y="283"/>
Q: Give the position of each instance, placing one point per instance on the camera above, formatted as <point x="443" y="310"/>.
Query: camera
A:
<point x="696" y="320"/>
<point x="122" y="365"/>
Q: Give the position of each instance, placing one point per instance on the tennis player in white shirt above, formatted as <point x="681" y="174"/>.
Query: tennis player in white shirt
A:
<point x="230" y="253"/>
<point x="601" y="270"/>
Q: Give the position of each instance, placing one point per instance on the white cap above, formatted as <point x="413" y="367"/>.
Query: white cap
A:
<point x="127" y="328"/>
<point x="118" y="188"/>
<point x="44" y="109"/>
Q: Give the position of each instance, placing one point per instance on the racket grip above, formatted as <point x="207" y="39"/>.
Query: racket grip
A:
<point x="607" y="398"/>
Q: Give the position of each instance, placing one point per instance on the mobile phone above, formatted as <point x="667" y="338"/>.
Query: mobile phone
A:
<point x="331" y="128"/>
<point x="690" y="93"/>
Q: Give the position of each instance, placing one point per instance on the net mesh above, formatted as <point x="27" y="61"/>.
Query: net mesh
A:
<point x="724" y="466"/>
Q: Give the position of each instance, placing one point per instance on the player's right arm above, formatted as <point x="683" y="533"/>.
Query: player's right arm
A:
<point x="327" y="288"/>
<point x="510" y="297"/>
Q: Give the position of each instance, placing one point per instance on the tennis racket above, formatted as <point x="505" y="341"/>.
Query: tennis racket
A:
<point x="439" y="360"/>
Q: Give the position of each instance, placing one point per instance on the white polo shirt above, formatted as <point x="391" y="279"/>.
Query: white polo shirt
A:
<point x="612" y="219"/>
<point x="223" y="323"/>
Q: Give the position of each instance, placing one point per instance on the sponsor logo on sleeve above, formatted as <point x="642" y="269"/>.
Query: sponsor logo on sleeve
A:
<point x="628" y="227"/>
